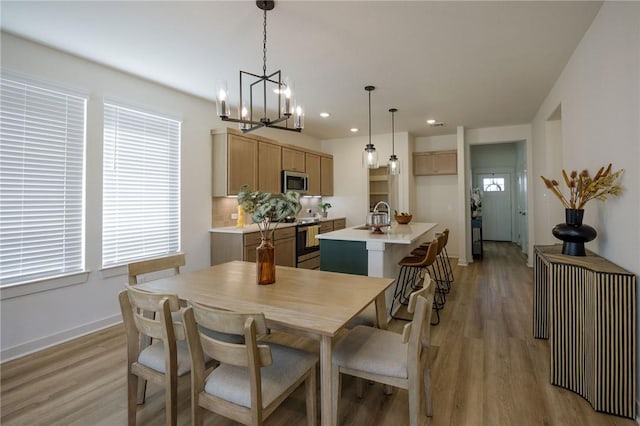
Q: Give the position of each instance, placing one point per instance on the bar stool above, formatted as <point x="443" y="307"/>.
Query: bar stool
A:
<point x="444" y="273"/>
<point x="411" y="276"/>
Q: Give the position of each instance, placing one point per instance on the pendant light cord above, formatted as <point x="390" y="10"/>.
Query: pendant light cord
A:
<point x="393" y="133"/>
<point x="369" y="118"/>
<point x="264" y="42"/>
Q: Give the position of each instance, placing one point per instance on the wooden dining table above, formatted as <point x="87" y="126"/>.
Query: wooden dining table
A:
<point x="309" y="302"/>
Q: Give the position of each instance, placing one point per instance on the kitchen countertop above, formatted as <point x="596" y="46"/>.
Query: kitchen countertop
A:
<point x="254" y="227"/>
<point x="396" y="234"/>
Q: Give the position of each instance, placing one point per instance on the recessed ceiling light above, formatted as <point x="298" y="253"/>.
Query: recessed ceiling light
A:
<point x="431" y="121"/>
<point x="354" y="129"/>
<point x="325" y="114"/>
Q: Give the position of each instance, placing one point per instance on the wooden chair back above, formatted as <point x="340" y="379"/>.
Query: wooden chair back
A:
<point x="243" y="324"/>
<point x="148" y="316"/>
<point x="418" y="331"/>
<point x="154" y="265"/>
<point x="248" y="354"/>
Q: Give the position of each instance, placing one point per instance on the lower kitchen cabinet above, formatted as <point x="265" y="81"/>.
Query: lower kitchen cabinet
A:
<point x="226" y="246"/>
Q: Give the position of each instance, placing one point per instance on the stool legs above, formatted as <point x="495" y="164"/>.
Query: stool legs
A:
<point x="408" y="279"/>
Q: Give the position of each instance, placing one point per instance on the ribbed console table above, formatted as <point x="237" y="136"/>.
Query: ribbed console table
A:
<point x="586" y="307"/>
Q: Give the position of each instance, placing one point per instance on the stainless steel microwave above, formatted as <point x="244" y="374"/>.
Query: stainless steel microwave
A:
<point x="295" y="181"/>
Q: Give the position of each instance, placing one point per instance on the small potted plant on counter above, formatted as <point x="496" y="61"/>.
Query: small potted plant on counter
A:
<point x="325" y="207"/>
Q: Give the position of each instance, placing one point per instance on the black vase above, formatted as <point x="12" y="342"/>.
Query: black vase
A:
<point x="573" y="233"/>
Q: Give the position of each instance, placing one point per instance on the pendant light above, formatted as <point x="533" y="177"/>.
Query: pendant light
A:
<point x="394" y="163"/>
<point x="370" y="155"/>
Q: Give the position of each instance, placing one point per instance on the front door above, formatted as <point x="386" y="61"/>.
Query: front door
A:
<point x="496" y="206"/>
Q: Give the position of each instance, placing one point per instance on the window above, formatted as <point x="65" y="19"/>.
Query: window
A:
<point x="141" y="186"/>
<point x="42" y="152"/>
<point x="493" y="184"/>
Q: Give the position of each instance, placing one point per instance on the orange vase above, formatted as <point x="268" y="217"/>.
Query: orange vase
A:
<point x="265" y="263"/>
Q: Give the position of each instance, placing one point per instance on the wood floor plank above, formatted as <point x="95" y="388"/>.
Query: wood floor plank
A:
<point x="487" y="369"/>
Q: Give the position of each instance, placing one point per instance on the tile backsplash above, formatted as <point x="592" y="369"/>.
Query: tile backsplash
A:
<point x="223" y="207"/>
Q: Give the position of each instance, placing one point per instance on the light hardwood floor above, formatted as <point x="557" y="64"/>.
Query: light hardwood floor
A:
<point x="487" y="369"/>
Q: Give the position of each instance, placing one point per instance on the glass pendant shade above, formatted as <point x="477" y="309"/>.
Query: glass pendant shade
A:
<point x="394" y="165"/>
<point x="370" y="157"/>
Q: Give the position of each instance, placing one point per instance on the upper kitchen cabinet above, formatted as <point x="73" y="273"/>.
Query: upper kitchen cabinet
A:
<point x="435" y="163"/>
<point x="326" y="176"/>
<point x="312" y="162"/>
<point x="234" y="161"/>
<point x="269" y="167"/>
<point x="293" y="159"/>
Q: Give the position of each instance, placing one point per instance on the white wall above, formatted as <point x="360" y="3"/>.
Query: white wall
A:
<point x="436" y="197"/>
<point x="350" y="179"/>
<point x="599" y="91"/>
<point x="37" y="320"/>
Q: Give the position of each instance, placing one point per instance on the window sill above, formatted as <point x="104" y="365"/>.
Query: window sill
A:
<point x="23" y="289"/>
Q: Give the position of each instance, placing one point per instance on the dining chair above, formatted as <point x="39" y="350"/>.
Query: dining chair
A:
<point x="136" y="269"/>
<point x="162" y="362"/>
<point x="399" y="360"/>
<point x="253" y="378"/>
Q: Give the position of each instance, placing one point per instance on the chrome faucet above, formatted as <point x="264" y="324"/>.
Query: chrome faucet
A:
<point x="375" y="209"/>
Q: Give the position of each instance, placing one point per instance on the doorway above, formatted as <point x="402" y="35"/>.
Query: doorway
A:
<point x="496" y="206"/>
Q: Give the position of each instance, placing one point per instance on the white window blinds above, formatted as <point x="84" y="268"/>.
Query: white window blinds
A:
<point x="42" y="145"/>
<point x="141" y="186"/>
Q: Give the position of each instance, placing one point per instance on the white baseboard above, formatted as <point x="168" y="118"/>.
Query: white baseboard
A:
<point x="24" y="349"/>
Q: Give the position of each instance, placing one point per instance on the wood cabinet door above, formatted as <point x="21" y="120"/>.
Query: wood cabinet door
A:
<point x="326" y="176"/>
<point x="269" y="167"/>
<point x="242" y="164"/>
<point x="435" y="163"/>
<point x="286" y="252"/>
<point x="312" y="162"/>
<point x="292" y="159"/>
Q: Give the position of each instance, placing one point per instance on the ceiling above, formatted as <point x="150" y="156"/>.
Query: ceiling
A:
<point x="474" y="64"/>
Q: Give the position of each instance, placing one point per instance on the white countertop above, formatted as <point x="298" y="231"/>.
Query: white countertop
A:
<point x="396" y="234"/>
<point x="247" y="229"/>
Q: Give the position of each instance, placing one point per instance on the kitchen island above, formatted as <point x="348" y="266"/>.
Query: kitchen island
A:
<point x="359" y="251"/>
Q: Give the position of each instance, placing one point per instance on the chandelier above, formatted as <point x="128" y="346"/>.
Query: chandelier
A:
<point x="261" y="89"/>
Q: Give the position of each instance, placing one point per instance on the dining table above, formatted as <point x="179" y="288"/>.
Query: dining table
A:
<point x="310" y="302"/>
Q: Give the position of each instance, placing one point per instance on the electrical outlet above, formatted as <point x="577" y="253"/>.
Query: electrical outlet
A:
<point x="234" y="216"/>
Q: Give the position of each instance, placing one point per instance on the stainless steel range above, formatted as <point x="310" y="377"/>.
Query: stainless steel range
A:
<point x="307" y="246"/>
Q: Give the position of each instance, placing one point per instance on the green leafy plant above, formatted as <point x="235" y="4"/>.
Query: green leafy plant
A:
<point x="266" y="209"/>
<point x="325" y="206"/>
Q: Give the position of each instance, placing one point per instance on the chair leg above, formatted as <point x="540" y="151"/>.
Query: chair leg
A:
<point x="427" y="392"/>
<point x="170" y="399"/>
<point x="132" y="389"/>
<point x="310" y="398"/>
<point x="196" y="411"/>
<point x="415" y="406"/>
